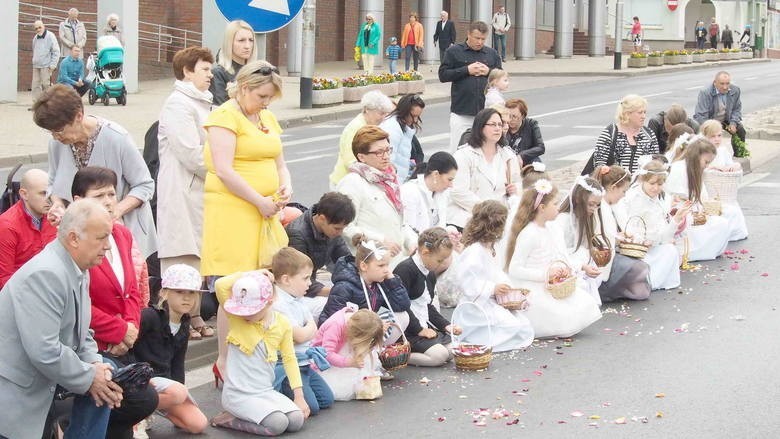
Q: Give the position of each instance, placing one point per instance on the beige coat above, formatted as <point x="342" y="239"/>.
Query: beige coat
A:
<point x="182" y="171"/>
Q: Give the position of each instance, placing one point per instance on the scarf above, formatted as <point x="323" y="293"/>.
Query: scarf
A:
<point x="387" y="180"/>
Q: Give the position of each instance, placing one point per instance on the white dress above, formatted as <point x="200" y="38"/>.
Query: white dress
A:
<point x="580" y="256"/>
<point x="709" y="240"/>
<point x="663" y="257"/>
<point x="536" y="248"/>
<point x="478" y="271"/>
<point x="731" y="211"/>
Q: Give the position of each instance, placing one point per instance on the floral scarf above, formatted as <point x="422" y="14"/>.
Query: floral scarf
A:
<point x="386" y="179"/>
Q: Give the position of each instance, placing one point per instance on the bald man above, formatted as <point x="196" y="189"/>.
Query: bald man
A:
<point x="72" y="32"/>
<point x="721" y="101"/>
<point x="24" y="230"/>
<point x="45" y="56"/>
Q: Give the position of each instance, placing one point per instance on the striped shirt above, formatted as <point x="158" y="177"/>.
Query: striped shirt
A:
<point x="624" y="155"/>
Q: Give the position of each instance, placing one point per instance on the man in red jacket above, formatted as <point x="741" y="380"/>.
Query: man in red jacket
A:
<point x="24" y="230"/>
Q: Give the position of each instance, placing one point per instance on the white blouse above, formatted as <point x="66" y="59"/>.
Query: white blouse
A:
<point x="423" y="209"/>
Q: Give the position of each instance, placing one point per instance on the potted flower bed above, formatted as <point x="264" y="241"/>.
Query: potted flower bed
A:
<point x="385" y="82"/>
<point x="735" y="54"/>
<point x="655" y="59"/>
<point x="637" y="60"/>
<point x="747" y="53"/>
<point x="355" y="87"/>
<point x="711" y="55"/>
<point x="671" y="57"/>
<point x="410" y="82"/>
<point x="723" y="54"/>
<point x="698" y="55"/>
<point x="326" y="92"/>
<point x="685" y="57"/>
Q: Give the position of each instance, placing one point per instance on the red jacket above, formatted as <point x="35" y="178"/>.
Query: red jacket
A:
<point x="19" y="240"/>
<point x="112" y="307"/>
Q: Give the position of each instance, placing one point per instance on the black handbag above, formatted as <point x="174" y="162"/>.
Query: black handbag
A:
<point x="590" y="166"/>
<point x="133" y="377"/>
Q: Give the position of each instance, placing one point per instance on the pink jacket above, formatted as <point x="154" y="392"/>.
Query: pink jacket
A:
<point x="332" y="335"/>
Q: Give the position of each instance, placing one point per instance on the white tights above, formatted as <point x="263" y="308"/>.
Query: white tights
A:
<point x="436" y="355"/>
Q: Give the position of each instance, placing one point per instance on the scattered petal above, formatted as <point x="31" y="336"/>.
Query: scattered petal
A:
<point x="764" y="274"/>
<point x="595" y="417"/>
<point x="561" y="421"/>
<point x="593" y="424"/>
<point x="513" y="422"/>
<point x="735" y="266"/>
<point x="621" y="420"/>
<point x="660" y="395"/>
<point x="577" y="414"/>
<point x="738" y="317"/>
<point x="743" y="251"/>
<point x="462" y="396"/>
<point x="441" y="419"/>
<point x="480" y="423"/>
<point x="659" y="414"/>
<point x="424" y="380"/>
<point x="538" y="373"/>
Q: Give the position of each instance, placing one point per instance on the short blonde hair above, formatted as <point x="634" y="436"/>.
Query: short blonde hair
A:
<point x="225" y="55"/>
<point x="112" y="17"/>
<point x="250" y="77"/>
<point x="629" y="104"/>
<point x="710" y="128"/>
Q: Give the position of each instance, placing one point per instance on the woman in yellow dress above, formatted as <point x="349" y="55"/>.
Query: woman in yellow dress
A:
<point x="247" y="181"/>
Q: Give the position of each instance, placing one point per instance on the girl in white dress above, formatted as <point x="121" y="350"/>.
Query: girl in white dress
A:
<point x="724" y="162"/>
<point x="679" y="136"/>
<point x="534" y="243"/>
<point x="482" y="277"/>
<point x="257" y="334"/>
<point x="685" y="183"/>
<point x="586" y="220"/>
<point x="644" y="200"/>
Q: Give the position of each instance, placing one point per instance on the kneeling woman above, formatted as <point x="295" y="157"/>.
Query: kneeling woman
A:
<point x="428" y="331"/>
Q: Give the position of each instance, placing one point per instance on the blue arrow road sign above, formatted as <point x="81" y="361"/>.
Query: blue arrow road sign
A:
<point x="262" y="15"/>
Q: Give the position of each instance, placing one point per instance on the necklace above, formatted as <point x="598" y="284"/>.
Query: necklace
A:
<point x="258" y="123"/>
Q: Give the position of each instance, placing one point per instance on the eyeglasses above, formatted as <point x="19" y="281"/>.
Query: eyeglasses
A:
<point x="495" y="124"/>
<point x="265" y="70"/>
<point x="516" y="116"/>
<point x="381" y="152"/>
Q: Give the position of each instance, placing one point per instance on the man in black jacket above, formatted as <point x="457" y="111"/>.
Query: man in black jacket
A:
<point x="467" y="66"/>
<point x="662" y="123"/>
<point x="445" y="34"/>
<point x="317" y="234"/>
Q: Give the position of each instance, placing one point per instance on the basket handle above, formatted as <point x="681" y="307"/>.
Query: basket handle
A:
<point x="547" y="275"/>
<point x="644" y="225"/>
<point x="603" y="239"/>
<point x="399" y="328"/>
<point x="387" y="302"/>
<point x="455" y="338"/>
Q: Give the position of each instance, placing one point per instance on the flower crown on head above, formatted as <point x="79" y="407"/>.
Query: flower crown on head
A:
<point x="644" y="160"/>
<point x="581" y="182"/>
<point x="375" y="249"/>
<point x="542" y="188"/>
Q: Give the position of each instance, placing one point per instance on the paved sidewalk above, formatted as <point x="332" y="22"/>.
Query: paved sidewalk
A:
<point x="22" y="141"/>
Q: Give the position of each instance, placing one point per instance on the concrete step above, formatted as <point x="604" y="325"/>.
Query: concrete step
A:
<point x="201" y="353"/>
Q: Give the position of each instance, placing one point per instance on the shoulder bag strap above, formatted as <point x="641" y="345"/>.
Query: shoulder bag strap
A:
<point x="612" y="145"/>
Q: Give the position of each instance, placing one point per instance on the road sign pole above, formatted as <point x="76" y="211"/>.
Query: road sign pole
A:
<point x="307" y="55"/>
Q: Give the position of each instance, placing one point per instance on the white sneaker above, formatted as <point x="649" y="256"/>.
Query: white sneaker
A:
<point x="139" y="430"/>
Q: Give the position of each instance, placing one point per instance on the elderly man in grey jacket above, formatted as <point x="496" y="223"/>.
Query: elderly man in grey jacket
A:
<point x="72" y="32"/>
<point x="721" y="101"/>
<point x="45" y="339"/>
<point x="45" y="56"/>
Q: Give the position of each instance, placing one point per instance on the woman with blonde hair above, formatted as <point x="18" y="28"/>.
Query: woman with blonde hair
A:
<point x="112" y="28"/>
<point x="238" y="48"/>
<point x="247" y="180"/>
<point x="623" y="142"/>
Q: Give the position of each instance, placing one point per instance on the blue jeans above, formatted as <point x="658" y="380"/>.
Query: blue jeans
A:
<point x="87" y="420"/>
<point x="315" y="390"/>
<point x="392" y="66"/>
<point x="500" y="40"/>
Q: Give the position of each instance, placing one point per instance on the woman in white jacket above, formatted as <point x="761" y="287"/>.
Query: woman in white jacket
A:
<point x="373" y="187"/>
<point x="486" y="170"/>
<point x="182" y="173"/>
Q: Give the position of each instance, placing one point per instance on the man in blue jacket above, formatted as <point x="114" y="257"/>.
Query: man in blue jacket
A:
<point x="72" y="71"/>
<point x="721" y="101"/>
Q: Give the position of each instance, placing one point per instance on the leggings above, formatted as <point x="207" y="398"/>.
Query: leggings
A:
<point x="436" y="355"/>
<point x="272" y="425"/>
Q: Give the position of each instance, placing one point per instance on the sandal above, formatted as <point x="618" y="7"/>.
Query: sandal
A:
<point x="206" y="331"/>
<point x="195" y="334"/>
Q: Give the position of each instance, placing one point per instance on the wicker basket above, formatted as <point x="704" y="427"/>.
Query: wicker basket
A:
<point x="712" y="207"/>
<point x="724" y="184"/>
<point x="472" y="356"/>
<point x="699" y="218"/>
<point x="514" y="299"/>
<point x="396" y="356"/>
<point x="600" y="251"/>
<point x="564" y="288"/>
<point x="634" y="249"/>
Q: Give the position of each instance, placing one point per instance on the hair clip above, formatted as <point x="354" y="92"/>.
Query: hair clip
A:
<point x="542" y="187"/>
<point x="374" y="249"/>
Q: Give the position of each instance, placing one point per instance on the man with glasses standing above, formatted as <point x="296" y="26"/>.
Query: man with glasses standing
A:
<point x="45" y="56"/>
<point x="467" y="66"/>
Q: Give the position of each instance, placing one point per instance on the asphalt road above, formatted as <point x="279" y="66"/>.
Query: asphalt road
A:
<point x="695" y="362"/>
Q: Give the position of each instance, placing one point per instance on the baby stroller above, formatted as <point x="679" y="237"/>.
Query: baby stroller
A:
<point x="106" y="66"/>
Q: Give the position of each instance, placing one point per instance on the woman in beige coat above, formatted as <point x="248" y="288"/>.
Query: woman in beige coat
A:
<point x="182" y="171"/>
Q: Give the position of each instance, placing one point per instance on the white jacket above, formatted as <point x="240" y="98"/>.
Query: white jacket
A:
<point x="477" y="181"/>
<point x="182" y="171"/>
<point x="421" y="205"/>
<point x="655" y="213"/>
<point x="376" y="217"/>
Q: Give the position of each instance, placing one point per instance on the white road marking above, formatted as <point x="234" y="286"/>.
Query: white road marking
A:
<point x="750" y="78"/>
<point x="753" y="178"/>
<point x="765" y="184"/>
<point x="585" y="107"/>
<point x="434" y="137"/>
<point x="695" y="87"/>
<point x="327" y="126"/>
<point x="311" y="139"/>
<point x="590" y="127"/>
<point x="309" y="151"/>
<point x="544" y="125"/>
<point x="306" y="159"/>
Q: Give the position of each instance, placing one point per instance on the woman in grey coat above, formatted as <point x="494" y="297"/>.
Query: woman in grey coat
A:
<point x="80" y="140"/>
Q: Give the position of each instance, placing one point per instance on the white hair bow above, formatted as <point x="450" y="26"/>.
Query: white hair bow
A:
<point x="538" y="166"/>
<point x="375" y="249"/>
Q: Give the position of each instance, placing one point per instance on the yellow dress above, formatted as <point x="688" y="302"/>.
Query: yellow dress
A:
<point x="233" y="229"/>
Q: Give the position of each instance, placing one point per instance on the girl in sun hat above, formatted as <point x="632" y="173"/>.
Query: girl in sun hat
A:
<point x="256" y="334"/>
<point x="162" y="342"/>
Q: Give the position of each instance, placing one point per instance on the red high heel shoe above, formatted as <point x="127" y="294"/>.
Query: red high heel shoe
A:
<point x="217" y="376"/>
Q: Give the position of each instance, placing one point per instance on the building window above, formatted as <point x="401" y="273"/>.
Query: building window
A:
<point x="545" y="13"/>
<point x="464" y="10"/>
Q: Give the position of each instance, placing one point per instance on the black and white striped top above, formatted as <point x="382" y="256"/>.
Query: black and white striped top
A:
<point x="624" y="155"/>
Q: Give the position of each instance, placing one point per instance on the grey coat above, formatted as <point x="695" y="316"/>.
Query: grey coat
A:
<point x="46" y="51"/>
<point x="115" y="150"/>
<point x="707" y="105"/>
<point x="45" y="339"/>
